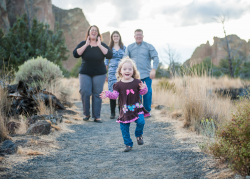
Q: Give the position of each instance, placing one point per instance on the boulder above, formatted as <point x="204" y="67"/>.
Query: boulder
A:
<point x="8" y="147"/>
<point x="40" y="127"/>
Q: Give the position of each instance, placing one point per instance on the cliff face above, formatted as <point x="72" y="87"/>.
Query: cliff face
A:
<point x="239" y="49"/>
<point x="4" y="20"/>
<point x="73" y="22"/>
<point x="41" y="9"/>
<point x="75" y="26"/>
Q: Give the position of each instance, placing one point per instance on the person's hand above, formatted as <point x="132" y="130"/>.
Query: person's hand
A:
<point x="142" y="85"/>
<point x="106" y="78"/>
<point x="152" y="74"/>
<point x="87" y="41"/>
<point x="103" y="95"/>
<point x="99" y="41"/>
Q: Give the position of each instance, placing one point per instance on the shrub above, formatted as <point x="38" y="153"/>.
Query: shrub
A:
<point x="233" y="140"/>
<point x="39" y="72"/>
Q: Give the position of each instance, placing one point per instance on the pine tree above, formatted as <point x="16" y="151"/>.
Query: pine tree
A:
<point x="23" y="43"/>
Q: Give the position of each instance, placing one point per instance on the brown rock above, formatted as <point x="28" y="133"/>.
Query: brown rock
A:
<point x="40" y="127"/>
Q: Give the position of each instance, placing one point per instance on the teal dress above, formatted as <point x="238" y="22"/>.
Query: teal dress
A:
<point x="113" y="65"/>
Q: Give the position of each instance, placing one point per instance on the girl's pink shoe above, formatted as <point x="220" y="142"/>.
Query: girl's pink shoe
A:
<point x="147" y="115"/>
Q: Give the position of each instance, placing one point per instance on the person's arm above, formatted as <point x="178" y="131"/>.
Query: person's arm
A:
<point x="80" y="48"/>
<point x="126" y="53"/>
<point x="112" y="95"/>
<point x="105" y="49"/>
<point x="143" y="88"/>
<point x="106" y="62"/>
<point x="154" y="56"/>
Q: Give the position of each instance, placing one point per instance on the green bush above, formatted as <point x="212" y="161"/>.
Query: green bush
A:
<point x="39" y="71"/>
<point x="75" y="70"/>
<point x="233" y="139"/>
<point x="30" y="39"/>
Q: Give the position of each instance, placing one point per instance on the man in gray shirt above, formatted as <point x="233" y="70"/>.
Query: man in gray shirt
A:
<point x="142" y="53"/>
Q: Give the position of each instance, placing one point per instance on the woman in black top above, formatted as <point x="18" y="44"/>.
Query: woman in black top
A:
<point x="92" y="73"/>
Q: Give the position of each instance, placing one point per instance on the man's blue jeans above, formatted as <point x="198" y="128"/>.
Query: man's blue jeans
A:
<point x="147" y="98"/>
<point x="140" y="122"/>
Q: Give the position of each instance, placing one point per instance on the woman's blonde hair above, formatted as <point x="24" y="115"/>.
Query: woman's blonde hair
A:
<point x="136" y="73"/>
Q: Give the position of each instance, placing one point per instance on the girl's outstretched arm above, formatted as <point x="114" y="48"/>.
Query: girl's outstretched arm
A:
<point x="112" y="95"/>
<point x="143" y="88"/>
<point x="103" y="95"/>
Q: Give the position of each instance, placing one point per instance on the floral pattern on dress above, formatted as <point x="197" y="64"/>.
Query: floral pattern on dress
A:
<point x="131" y="107"/>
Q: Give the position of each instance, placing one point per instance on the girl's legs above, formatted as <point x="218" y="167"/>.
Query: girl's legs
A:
<point x="139" y="125"/>
<point x="86" y="92"/>
<point x="125" y="134"/>
<point x="98" y="83"/>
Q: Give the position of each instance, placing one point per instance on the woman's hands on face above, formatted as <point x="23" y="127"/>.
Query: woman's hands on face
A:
<point x="142" y="85"/>
<point x="99" y="41"/>
<point x="88" y="41"/>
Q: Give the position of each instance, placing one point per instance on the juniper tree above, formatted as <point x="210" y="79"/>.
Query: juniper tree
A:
<point x="23" y="43"/>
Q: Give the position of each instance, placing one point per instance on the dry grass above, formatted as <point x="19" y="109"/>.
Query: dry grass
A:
<point x="176" y="114"/>
<point x="74" y="85"/>
<point x="3" y="103"/>
<point x="69" y="122"/>
<point x="193" y="98"/>
<point x="56" y="127"/>
<point x="75" y="117"/>
<point x="32" y="152"/>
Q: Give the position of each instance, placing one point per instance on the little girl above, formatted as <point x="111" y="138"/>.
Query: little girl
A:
<point x="128" y="89"/>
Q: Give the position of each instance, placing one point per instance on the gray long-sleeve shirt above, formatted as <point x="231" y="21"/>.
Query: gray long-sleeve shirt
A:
<point x="142" y="55"/>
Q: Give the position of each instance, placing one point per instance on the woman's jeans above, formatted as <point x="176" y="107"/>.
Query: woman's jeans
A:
<point x="91" y="85"/>
<point x="140" y="122"/>
<point x="147" y="98"/>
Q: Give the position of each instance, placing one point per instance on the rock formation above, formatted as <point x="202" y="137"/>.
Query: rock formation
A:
<point x="75" y="26"/>
<point x="239" y="49"/>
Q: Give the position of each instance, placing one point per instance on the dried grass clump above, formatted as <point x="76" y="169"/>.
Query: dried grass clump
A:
<point x="4" y="105"/>
<point x="32" y="152"/>
<point x="176" y="114"/>
<point x="194" y="97"/>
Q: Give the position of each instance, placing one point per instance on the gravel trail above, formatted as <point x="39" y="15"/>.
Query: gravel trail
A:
<point x="96" y="151"/>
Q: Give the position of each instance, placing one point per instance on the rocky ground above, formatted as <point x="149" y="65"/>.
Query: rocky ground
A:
<point x="93" y="150"/>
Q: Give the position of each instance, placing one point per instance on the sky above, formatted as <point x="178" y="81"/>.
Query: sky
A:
<point x="181" y="24"/>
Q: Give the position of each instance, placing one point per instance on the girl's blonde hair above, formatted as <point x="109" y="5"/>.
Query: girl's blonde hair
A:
<point x="136" y="73"/>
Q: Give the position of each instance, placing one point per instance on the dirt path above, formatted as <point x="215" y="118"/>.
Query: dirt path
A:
<point x="96" y="151"/>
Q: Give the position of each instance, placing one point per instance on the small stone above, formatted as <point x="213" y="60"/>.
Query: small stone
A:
<point x="12" y="127"/>
<point x="159" y="107"/>
<point x="40" y="127"/>
<point x="8" y="147"/>
<point x="238" y="176"/>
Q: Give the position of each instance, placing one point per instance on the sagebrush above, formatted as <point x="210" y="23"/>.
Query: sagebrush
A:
<point x="233" y="139"/>
<point x="39" y="71"/>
